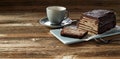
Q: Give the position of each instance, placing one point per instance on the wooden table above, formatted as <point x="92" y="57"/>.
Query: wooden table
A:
<point x="21" y="36"/>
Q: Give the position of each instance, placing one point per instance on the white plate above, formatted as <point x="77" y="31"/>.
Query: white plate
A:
<point x="44" y="21"/>
<point x="67" y="40"/>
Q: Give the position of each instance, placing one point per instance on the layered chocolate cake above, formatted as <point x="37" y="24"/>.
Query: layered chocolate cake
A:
<point x="73" y="31"/>
<point x="97" y="21"/>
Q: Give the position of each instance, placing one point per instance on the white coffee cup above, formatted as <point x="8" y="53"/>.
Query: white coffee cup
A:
<point x="56" y="14"/>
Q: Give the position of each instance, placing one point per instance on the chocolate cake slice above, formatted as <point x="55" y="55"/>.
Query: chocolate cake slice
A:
<point x="97" y="21"/>
<point x="73" y="31"/>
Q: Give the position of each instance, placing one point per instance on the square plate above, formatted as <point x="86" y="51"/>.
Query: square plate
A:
<point x="68" y="40"/>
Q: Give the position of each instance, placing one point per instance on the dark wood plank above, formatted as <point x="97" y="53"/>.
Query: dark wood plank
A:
<point x="40" y="5"/>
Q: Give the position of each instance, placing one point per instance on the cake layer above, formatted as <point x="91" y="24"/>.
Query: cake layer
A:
<point x="87" y="28"/>
<point x="73" y="31"/>
<point x="102" y="29"/>
<point x="91" y="23"/>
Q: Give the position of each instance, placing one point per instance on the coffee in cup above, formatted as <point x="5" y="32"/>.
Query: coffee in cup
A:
<point x="56" y="14"/>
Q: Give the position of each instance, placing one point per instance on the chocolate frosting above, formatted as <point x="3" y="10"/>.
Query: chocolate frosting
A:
<point x="97" y="13"/>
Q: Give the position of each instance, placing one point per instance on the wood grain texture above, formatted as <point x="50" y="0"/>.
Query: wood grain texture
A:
<point x="22" y="37"/>
<point x="72" y="5"/>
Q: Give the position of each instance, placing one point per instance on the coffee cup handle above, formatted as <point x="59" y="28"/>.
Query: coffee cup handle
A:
<point x="67" y="15"/>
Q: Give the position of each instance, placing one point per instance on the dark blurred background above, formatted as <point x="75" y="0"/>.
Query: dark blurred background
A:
<point x="72" y="5"/>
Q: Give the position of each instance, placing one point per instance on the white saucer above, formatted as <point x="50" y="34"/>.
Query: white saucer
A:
<point x="46" y="22"/>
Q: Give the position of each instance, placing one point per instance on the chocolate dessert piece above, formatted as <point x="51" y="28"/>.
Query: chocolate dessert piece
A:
<point x="97" y="21"/>
<point x="73" y="31"/>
